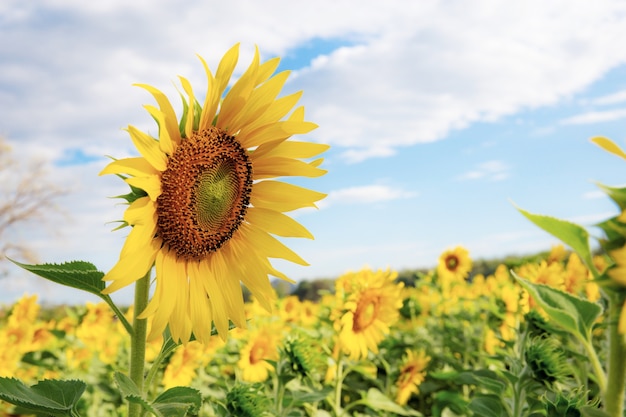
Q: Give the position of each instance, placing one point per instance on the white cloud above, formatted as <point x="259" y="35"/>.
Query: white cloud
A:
<point x="595" y="117"/>
<point x="365" y="194"/>
<point x="490" y="170"/>
<point x="613" y="98"/>
<point x="592" y="195"/>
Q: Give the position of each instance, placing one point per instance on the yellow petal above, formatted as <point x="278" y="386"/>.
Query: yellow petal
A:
<point x="136" y="167"/>
<point x="165" y="141"/>
<point x="230" y="287"/>
<point x="192" y="104"/>
<point x="131" y="266"/>
<point x="150" y="184"/>
<point x="141" y="211"/>
<point x="282" y="196"/>
<point x="217" y="85"/>
<point x="276" y="223"/>
<point x="218" y="303"/>
<point x="162" y="303"/>
<point x="171" y="121"/>
<point x="276" y="111"/>
<point x="274" y="131"/>
<point x="149" y="148"/>
<point x="200" y="310"/>
<point x="284" y="167"/>
<point x="289" y="148"/>
<point x="259" y="101"/>
<point x="180" y="323"/>
<point x="269" y="245"/>
<point x="237" y="96"/>
<point x="609" y="146"/>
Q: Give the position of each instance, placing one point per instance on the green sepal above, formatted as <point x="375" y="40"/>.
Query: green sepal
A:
<point x="573" y="314"/>
<point x="134" y="194"/>
<point x="571" y="234"/>
<point x="175" y="402"/>
<point x="50" y="397"/>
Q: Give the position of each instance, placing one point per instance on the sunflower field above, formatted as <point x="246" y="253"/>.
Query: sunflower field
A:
<point x="207" y="211"/>
<point x="453" y="344"/>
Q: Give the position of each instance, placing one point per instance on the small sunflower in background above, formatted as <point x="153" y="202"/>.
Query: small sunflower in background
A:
<point x="205" y="204"/>
<point x="412" y="374"/>
<point x="454" y="264"/>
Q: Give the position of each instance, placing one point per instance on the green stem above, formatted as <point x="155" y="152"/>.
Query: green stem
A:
<point x="138" y="341"/>
<point x="168" y="347"/>
<point x="616" y="378"/>
<point x="119" y="314"/>
<point x="339" y="383"/>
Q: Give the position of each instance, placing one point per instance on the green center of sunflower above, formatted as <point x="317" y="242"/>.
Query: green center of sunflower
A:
<point x="205" y="192"/>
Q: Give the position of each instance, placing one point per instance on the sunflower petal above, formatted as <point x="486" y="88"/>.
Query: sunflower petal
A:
<point x="281" y="196"/>
<point x="274" y="131"/>
<point x="179" y="322"/>
<point x="229" y="287"/>
<point x="192" y="103"/>
<point x="150" y="184"/>
<point x="131" y="266"/>
<point x="217" y="85"/>
<point x="270" y="246"/>
<point x="276" y="223"/>
<point x="289" y="148"/>
<point x="237" y="96"/>
<point x="283" y="167"/>
<point x="149" y="148"/>
<point x="199" y="305"/>
<point x="165" y="141"/>
<point x="218" y="303"/>
<point x="171" y="121"/>
<point x="136" y="167"/>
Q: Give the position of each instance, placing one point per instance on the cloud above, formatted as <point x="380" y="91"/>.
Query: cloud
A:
<point x="490" y="170"/>
<point x="613" y="98"/>
<point x="365" y="194"/>
<point x="595" y="117"/>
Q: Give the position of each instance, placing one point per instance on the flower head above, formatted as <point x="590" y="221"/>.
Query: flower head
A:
<point x="372" y="303"/>
<point x="454" y="264"/>
<point x="205" y="205"/>
<point x="412" y="374"/>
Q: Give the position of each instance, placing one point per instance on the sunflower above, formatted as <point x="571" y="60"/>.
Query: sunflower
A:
<point x="412" y="374"/>
<point x="253" y="358"/>
<point x="454" y="264"/>
<point x="205" y="204"/>
<point x="371" y="306"/>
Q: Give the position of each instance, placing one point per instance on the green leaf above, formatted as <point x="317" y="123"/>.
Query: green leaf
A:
<point x="573" y="314"/>
<point x="302" y="397"/>
<point x="617" y="194"/>
<point x="487" y="406"/>
<point x="379" y="401"/>
<point x="178" y="401"/>
<point x="50" y="397"/>
<point x="130" y="391"/>
<point x="76" y="274"/>
<point x="571" y="234"/>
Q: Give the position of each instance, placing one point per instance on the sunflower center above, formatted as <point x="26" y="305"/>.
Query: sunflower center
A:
<point x="365" y="314"/>
<point x="205" y="192"/>
<point x="452" y="262"/>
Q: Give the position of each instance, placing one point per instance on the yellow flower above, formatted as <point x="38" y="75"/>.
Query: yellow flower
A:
<point x="262" y="345"/>
<point x="454" y="264"/>
<point x="412" y="374"/>
<point x="369" y="310"/>
<point x="183" y="365"/>
<point x="205" y="204"/>
<point x="618" y="272"/>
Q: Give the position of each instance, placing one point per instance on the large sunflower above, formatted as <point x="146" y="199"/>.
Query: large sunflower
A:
<point x="205" y="206"/>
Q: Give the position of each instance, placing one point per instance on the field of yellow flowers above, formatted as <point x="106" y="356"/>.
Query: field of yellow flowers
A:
<point x="453" y="344"/>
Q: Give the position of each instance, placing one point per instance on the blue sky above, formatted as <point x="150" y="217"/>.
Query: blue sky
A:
<point x="441" y="117"/>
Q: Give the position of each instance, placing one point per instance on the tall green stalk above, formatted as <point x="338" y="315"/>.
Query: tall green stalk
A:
<point x="616" y="378"/>
<point x="138" y="340"/>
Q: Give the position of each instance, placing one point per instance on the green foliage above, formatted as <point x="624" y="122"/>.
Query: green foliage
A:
<point x="50" y="397"/>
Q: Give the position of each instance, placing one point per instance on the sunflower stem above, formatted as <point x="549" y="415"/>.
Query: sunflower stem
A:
<point x="138" y="341"/>
<point x="616" y="379"/>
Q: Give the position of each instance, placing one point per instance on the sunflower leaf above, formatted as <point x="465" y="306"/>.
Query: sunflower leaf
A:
<point x="129" y="391"/>
<point x="76" y="274"/>
<point x="49" y="397"/>
<point x="573" y="235"/>
<point x="379" y="401"/>
<point x="178" y="401"/>
<point x="571" y="313"/>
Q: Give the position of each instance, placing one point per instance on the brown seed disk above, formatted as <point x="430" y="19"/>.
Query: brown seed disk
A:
<point x="205" y="192"/>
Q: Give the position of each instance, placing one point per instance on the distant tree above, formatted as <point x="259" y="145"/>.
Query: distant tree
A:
<point x="26" y="198"/>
